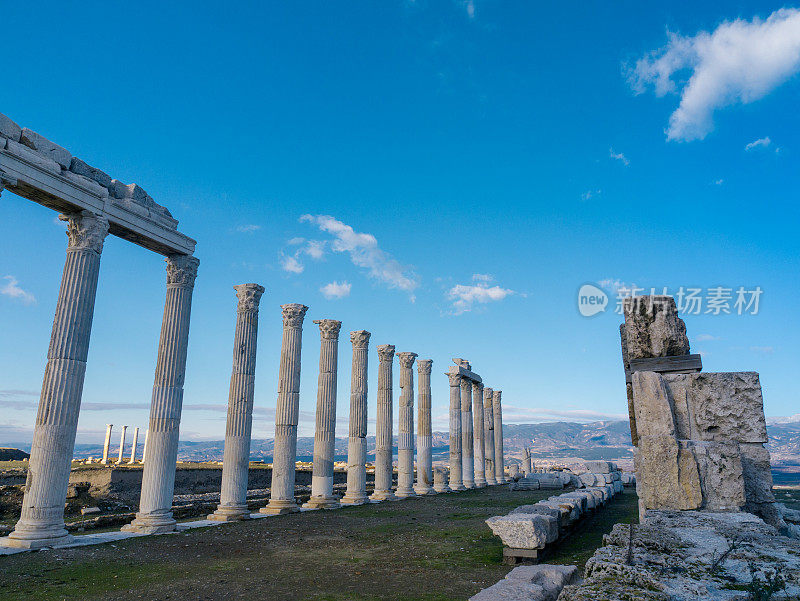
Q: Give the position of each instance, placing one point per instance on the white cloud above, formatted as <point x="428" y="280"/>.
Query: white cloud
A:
<point x="761" y="143"/>
<point x="706" y="337"/>
<point x="618" y="156"/>
<point x="739" y="62"/>
<point x="469" y="6"/>
<point x="247" y="229"/>
<point x="291" y="264"/>
<point x="315" y="249"/>
<point x="481" y="277"/>
<point x="764" y="350"/>
<point x="615" y="285"/>
<point x="589" y="194"/>
<point x="364" y="252"/>
<point x="464" y="296"/>
<point x="513" y="414"/>
<point x="11" y="289"/>
<point x="295" y="241"/>
<point x="336" y="290"/>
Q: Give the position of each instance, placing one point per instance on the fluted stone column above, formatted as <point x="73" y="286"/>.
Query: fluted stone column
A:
<point x="488" y="435"/>
<point x="467" y="458"/>
<point x="236" y="456"/>
<point x="107" y="443"/>
<point x="132" y="460"/>
<point x="121" y="444"/>
<point x="144" y="448"/>
<point x="284" y="454"/>
<point x="42" y="520"/>
<point x="499" y="460"/>
<point x="325" y="432"/>
<point x="383" y="432"/>
<point x="456" y="483"/>
<point x="405" y="441"/>
<point x="356" y="493"/>
<point x="424" y="485"/>
<point x="477" y="413"/>
<point x="158" y="476"/>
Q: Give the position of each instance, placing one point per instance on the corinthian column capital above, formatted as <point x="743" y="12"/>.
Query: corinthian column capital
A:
<point x="249" y="296"/>
<point x="455" y="379"/>
<point x="293" y="315"/>
<point x="466" y="384"/>
<point x="424" y="366"/>
<point x="360" y="338"/>
<point x="488" y="393"/>
<point x="86" y="231"/>
<point x="406" y="359"/>
<point x="385" y="353"/>
<point x="181" y="270"/>
<point x="477" y="388"/>
<point x="329" y="328"/>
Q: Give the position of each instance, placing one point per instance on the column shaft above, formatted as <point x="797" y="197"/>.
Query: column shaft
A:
<point x="107" y="443"/>
<point x="499" y="460"/>
<point x="405" y="441"/>
<point x="121" y="444"/>
<point x="158" y="477"/>
<point x="133" y="446"/>
<point x="477" y="414"/>
<point x="456" y="482"/>
<point x="383" y="433"/>
<point x="467" y="458"/>
<point x="424" y="485"/>
<point x="357" y="441"/>
<point x="42" y="519"/>
<point x="488" y="436"/>
<point x="236" y="457"/>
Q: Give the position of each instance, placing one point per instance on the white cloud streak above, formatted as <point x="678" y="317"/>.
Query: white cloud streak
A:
<point x="618" y="156"/>
<point x="248" y="228"/>
<point x="464" y="296"/>
<point x="761" y="143"/>
<point x="737" y="63"/>
<point x="11" y="289"/>
<point x="336" y="290"/>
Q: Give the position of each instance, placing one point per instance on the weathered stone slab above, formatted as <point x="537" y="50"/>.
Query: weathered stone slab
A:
<point x="553" y="512"/>
<point x="599" y="467"/>
<point x="9" y="129"/>
<point x="597" y="493"/>
<point x="720" y="470"/>
<point x="757" y="473"/>
<point x="581" y="499"/>
<point x="552" y="578"/>
<point x="524" y="531"/>
<point x="668" y="474"/>
<point x="45" y="147"/>
<point x="79" y="167"/>
<point x="589" y="479"/>
<point x="511" y="590"/>
<point x="653" y="328"/>
<point x="652" y="405"/>
<point x="33" y="157"/>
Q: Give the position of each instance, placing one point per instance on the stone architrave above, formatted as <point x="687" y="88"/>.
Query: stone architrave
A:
<point x="325" y="433"/>
<point x="239" y="424"/>
<point x="424" y="485"/>
<point x="121" y="444"/>
<point x="287" y="414"/>
<point x="356" y="493"/>
<point x="158" y="477"/>
<point x="107" y="443"/>
<point x="478" y="435"/>
<point x="132" y="460"/>
<point x="456" y="481"/>
<point x="383" y="431"/>
<point x="467" y="448"/>
<point x="41" y="522"/>
<point x="405" y="442"/>
<point x="499" y="458"/>
<point x="488" y="436"/>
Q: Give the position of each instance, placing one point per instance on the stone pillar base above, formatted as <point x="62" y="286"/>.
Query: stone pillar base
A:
<point x="442" y="489"/>
<point x="404" y="493"/>
<point x="458" y="488"/>
<point x="480" y="483"/>
<point x="35" y="543"/>
<point x="322" y="503"/>
<point x="230" y="514"/>
<point x="152" y="524"/>
<point x="383" y="495"/>
<point x="279" y="507"/>
<point x="348" y="499"/>
<point x="424" y="490"/>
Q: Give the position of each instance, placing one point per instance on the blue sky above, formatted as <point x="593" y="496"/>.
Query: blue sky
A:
<point x="465" y="166"/>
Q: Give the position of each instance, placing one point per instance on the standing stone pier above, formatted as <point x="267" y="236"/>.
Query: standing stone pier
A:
<point x="488" y="436"/>
<point x="236" y="457"/>
<point x="477" y="412"/>
<point x="456" y="482"/>
<point x="424" y="485"/>
<point x="107" y="444"/>
<point x="121" y="444"/>
<point x="158" y="476"/>
<point x="467" y="457"/>
<point x="132" y="460"/>
<point x="287" y="414"/>
<point x="383" y="434"/>
<point x="41" y="523"/>
<point x="405" y="443"/>
<point x="499" y="459"/>
<point x="356" y="493"/>
<point x="325" y="433"/>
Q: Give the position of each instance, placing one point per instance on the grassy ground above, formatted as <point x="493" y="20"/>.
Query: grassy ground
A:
<point x="426" y="549"/>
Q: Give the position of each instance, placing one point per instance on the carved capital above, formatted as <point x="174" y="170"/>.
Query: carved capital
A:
<point x="293" y="315"/>
<point x="488" y="393"/>
<point x="86" y="231"/>
<point x="181" y="270"/>
<point x="329" y="328"/>
<point x="424" y="366"/>
<point x="477" y="388"/>
<point x="360" y="338"/>
<point x="497" y="396"/>
<point x="406" y="359"/>
<point x="386" y="352"/>
<point x="249" y="296"/>
<point x="466" y="384"/>
<point x="455" y="379"/>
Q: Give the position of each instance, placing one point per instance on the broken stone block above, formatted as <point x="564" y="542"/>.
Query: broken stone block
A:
<point x="653" y="328"/>
<point x="588" y="479"/>
<point x="590" y="502"/>
<point x="757" y="473"/>
<point x="511" y="590"/>
<point x="720" y="469"/>
<point x="652" y="405"/>
<point x="598" y="467"/>
<point x="541" y="510"/>
<point x="581" y="499"/>
<point x="524" y="531"/>
<point x="79" y="167"/>
<point x="89" y="510"/>
<point x="552" y="578"/>
<point x="45" y="147"/>
<point x="9" y="129"/>
<point x="667" y="475"/>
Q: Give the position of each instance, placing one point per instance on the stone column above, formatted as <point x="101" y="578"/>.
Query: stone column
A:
<point x="488" y="436"/>
<point x="325" y="432"/>
<point x="284" y="454"/>
<point x="357" y="443"/>
<point x="132" y="460"/>
<point x="467" y="459"/>
<point x="144" y="448"/>
<point x="456" y="482"/>
<point x="424" y="485"/>
<point x="499" y="459"/>
<point x="383" y="434"/>
<point x="477" y="412"/>
<point x="158" y="476"/>
<point x="440" y="480"/>
<point x="121" y="444"/>
<point x="41" y="523"/>
<point x="236" y="456"/>
<point x="107" y="443"/>
<point x="405" y="441"/>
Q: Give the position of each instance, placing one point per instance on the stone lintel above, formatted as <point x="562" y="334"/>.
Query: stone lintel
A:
<point x="464" y="373"/>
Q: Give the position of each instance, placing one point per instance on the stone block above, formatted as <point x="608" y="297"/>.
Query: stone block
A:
<point x="9" y="129"/>
<point x="653" y="329"/>
<point x="667" y="474"/>
<point x="607" y="478"/>
<point x="720" y="469"/>
<point x="523" y="530"/>
<point x="617" y="487"/>
<point x="40" y="160"/>
<point x="590" y="501"/>
<point x="652" y="405"/>
<point x="581" y="499"/>
<point x="552" y="578"/>
<point x="598" y="494"/>
<point x="541" y="510"/>
<point x="564" y="510"/>
<point x="79" y="167"/>
<point x="598" y="467"/>
<point x="511" y="590"/>
<point x="45" y="147"/>
<point x="588" y="479"/>
<point x="757" y="473"/>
